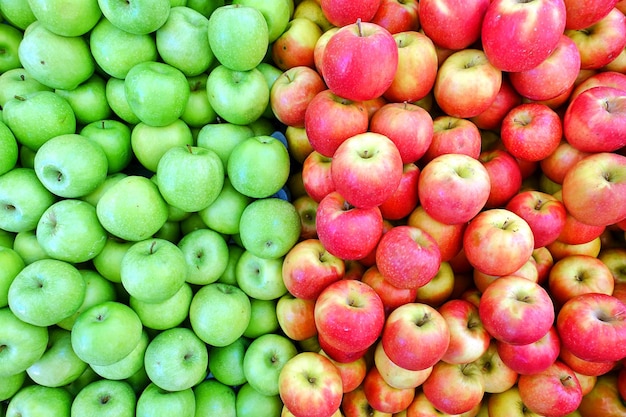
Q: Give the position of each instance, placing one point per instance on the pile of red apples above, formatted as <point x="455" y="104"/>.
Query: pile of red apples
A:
<point x="463" y="197"/>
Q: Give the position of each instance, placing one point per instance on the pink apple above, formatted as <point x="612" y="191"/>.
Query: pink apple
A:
<point x="339" y="355"/>
<point x="383" y="397"/>
<point x="291" y="93"/>
<point x="316" y="177"/>
<point x="345" y="12"/>
<point x="295" y="317"/>
<point x="559" y="162"/>
<point x="405" y="198"/>
<point x="355" y="404"/>
<point x="360" y="60"/>
<point x="583" y="13"/>
<point x="423" y="407"/>
<point x="453" y="135"/>
<point x="584" y="367"/>
<point x="468" y="338"/>
<point x="505" y="176"/>
<point x="296" y="45"/>
<point x="449" y="237"/>
<point x="506" y="99"/>
<point x="455" y="388"/>
<point x="543" y="262"/>
<point x="527" y="271"/>
<point x="453" y="24"/>
<point x="533" y="357"/>
<point x="395" y="375"/>
<point x="391" y="296"/>
<point x="352" y="373"/>
<point x="370" y="259"/>
<point x="576" y="232"/>
<point x="600" y="79"/>
<point x="497" y="375"/>
<point x="398" y="15"/>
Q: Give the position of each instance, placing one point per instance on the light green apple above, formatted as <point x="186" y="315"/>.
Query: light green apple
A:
<point x="38" y="116"/>
<point x="271" y="74"/>
<point x="276" y="13"/>
<point x="239" y="97"/>
<point x="116" y="97"/>
<point x="170" y="231"/>
<point x="234" y="253"/>
<point x="59" y="365"/>
<point x="149" y="143"/>
<point x="183" y="43"/>
<point x="263" y="319"/>
<point x="165" y="314"/>
<point x="10" y="38"/>
<point x="129" y="365"/>
<point x="45" y="55"/>
<point x="10" y="149"/>
<point x="139" y="381"/>
<point x="69" y="230"/>
<point x="198" y="112"/>
<point x="264" y="359"/>
<point x="260" y="278"/>
<point x="18" y="82"/>
<point x="17" y="12"/>
<point x="229" y="309"/>
<point x="206" y="7"/>
<point x="156" y="402"/>
<point x="139" y="17"/>
<point x="11" y="384"/>
<point x="114" y="138"/>
<point x="259" y="166"/>
<point x="105" y="398"/>
<point x="67" y="17"/>
<point x="88" y="100"/>
<point x="12" y="264"/>
<point x="206" y="254"/>
<point x="262" y="127"/>
<point x="65" y="175"/>
<point x="82" y="381"/>
<point x="176" y="359"/>
<point x="238" y="36"/>
<point x="226" y="362"/>
<point x="94" y="196"/>
<point x="106" y="333"/>
<point x="132" y="209"/>
<point x="251" y="403"/>
<point x="7" y="238"/>
<point x="224" y="214"/>
<point x="109" y="260"/>
<point x="222" y="138"/>
<point x="215" y="399"/>
<point x="156" y="92"/>
<point x="23" y="343"/>
<point x="27" y="246"/>
<point x="153" y="270"/>
<point x="40" y="401"/>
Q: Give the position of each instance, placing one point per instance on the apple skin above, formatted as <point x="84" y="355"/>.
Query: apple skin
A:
<point x="582" y="14"/>
<point x="352" y="373"/>
<point x="391" y="296"/>
<point x="449" y="237"/>
<point x="316" y="176"/>
<point x="453" y="135"/>
<point x="405" y="198"/>
<point x="508" y="404"/>
<point x="292" y="92"/>
<point x="498" y="376"/>
<point x="505" y="176"/>
<point x="556" y="165"/>
<point x="533" y="357"/>
<point x="584" y="367"/>
<point x="395" y="375"/>
<point x="469" y="340"/>
<point x="296" y="317"/>
<point x="382" y="396"/>
<point x="604" y="398"/>
<point x="398" y="16"/>
<point x="599" y="79"/>
<point x="27" y="343"/>
<point x="295" y="47"/>
<point x="544" y="213"/>
<point x="343" y="12"/>
<point x="455" y="388"/>
<point x="452" y="24"/>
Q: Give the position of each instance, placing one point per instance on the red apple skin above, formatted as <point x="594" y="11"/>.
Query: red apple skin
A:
<point x="593" y="327"/>
<point x="391" y="296"/>
<point x="398" y="16"/>
<point x="339" y="355"/>
<point x="291" y="93"/>
<point x="405" y="198"/>
<point x="531" y="358"/>
<point x="382" y="396"/>
<point x="355" y="404"/>
<point x="582" y="14"/>
<point x="584" y="367"/>
<point x="360" y="61"/>
<point x="543" y="262"/>
<point x="370" y="259"/>
<point x="519" y="36"/>
<point x="600" y="79"/>
<point x="604" y="399"/>
<point x="449" y="237"/>
<point x="506" y="99"/>
<point x="345" y="12"/>
<point x="505" y="176"/>
<point x="468" y="338"/>
<point x="329" y="120"/>
<point x="453" y="24"/>
<point x="306" y="207"/>
<point x="576" y="232"/>
<point x="295" y="317"/>
<point x="296" y="45"/>
<point x="455" y="388"/>
<point x="423" y="407"/>
<point x="395" y="375"/>
<point x="316" y="177"/>
<point x="320" y="46"/>
<point x="498" y="376"/>
<point x="527" y="271"/>
<point x="352" y="373"/>
<point x="453" y="135"/>
<point x="559" y="162"/>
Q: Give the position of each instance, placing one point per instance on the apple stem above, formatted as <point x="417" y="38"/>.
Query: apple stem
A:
<point x="22" y="77"/>
<point x="189" y="148"/>
<point x="358" y="24"/>
<point x="154" y="242"/>
<point x="566" y="379"/>
<point x="20" y="98"/>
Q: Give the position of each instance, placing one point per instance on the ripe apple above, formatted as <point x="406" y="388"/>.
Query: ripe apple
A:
<point x="544" y="213"/>
<point x="384" y="397"/>
<point x="391" y="296"/>
<point x="260" y="278"/>
<point x="451" y="24"/>
<point x="405" y="198"/>
<point x="505" y="176"/>
<point x="581" y="15"/>
<point x="559" y="162"/>
<point x="469" y="340"/>
<point x="352" y="373"/>
<point x="440" y="288"/>
<point x="449" y="237"/>
<point x="533" y="357"/>
<point x="584" y="367"/>
<point x="291" y="93"/>
<point x="508" y="404"/>
<point x="397" y="376"/>
<point x="343" y="12"/>
<point x="498" y="376"/>
<point x="506" y="99"/>
<point x="603" y="398"/>
<point x="579" y="274"/>
<point x="455" y="388"/>
<point x="453" y="135"/>
<point x="264" y="360"/>
<point x="295" y="47"/>
<point x="316" y="176"/>
<point x="398" y="16"/>
<point x="31" y="399"/>
<point x="312" y="10"/>
<point x="320" y="46"/>
<point x="337" y="355"/>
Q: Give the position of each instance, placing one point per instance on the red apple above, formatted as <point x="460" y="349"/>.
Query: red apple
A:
<point x="295" y="317"/>
<point x="497" y="375"/>
<point x="505" y="176"/>
<point x="507" y="98"/>
<point x="453" y="24"/>
<point x="352" y="373"/>
<point x="600" y="79"/>
<point x="543" y="262"/>
<point x="533" y="357"/>
<point x="382" y="396"/>
<point x="405" y="198"/>
<point x="559" y="162"/>
<point x="583" y="13"/>
<point x="316" y="177"/>
<point x="391" y="296"/>
<point x="395" y="375"/>
<point x="296" y="45"/>
<point x="455" y="388"/>
<point x="574" y="231"/>
<point x="306" y="207"/>
<point x="468" y="338"/>
<point x="345" y="12"/>
<point x="291" y="93"/>
<point x="527" y="271"/>
<point x="370" y="259"/>
<point x="584" y="367"/>
<point x="579" y="274"/>
<point x="604" y="399"/>
<point x="298" y="143"/>
<point x="355" y="404"/>
<point x="440" y="288"/>
<point x="339" y="355"/>
<point x="544" y="213"/>
<point x="449" y="237"/>
<point x="453" y="135"/>
<point x="423" y="407"/>
<point x="398" y="15"/>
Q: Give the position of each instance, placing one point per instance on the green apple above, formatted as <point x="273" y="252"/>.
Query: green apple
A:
<point x="176" y="359"/>
<point x="229" y="309"/>
<point x="59" y="365"/>
<point x="224" y="213"/>
<point x="129" y="365"/>
<point x="116" y="51"/>
<point x="12" y="264"/>
<point x="183" y="43"/>
<point x="69" y="230"/>
<point x="116" y="97"/>
<point x="215" y="399"/>
<point x="68" y="17"/>
<point x="114" y="138"/>
<point x="11" y="384"/>
<point x="234" y="253"/>
<point x="206" y="7"/>
<point x="191" y="223"/>
<point x="17" y="12"/>
<point x="271" y="74"/>
<point x="132" y="209"/>
<point x="263" y="319"/>
<point x="222" y="138"/>
<point x="36" y="117"/>
<point x="106" y="333"/>
<point x="27" y="157"/>
<point x="277" y="14"/>
<point x="170" y="231"/>
<point x="153" y="270"/>
<point x="23" y="343"/>
<point x="27" y="246"/>
<point x="251" y="403"/>
<point x="269" y="227"/>
<point x="139" y="17"/>
<point x="7" y="239"/>
<point x="226" y="362"/>
<point x="165" y="314"/>
<point x="46" y="292"/>
<point x="45" y="55"/>
<point x="259" y="166"/>
<point x="190" y="177"/>
<point x="264" y="359"/>
<point x="260" y="278"/>
<point x="139" y="381"/>
<point x="156" y="92"/>
<point x="105" y="398"/>
<point x="40" y="401"/>
<point x="94" y="196"/>
<point x="18" y="82"/>
<point x="262" y="127"/>
<point x="82" y="381"/>
<point x="238" y="36"/>
<point x="10" y="38"/>
<point x="109" y="260"/>
<point x="149" y="143"/>
<point x="156" y="402"/>
<point x="10" y="149"/>
<point x="239" y="97"/>
<point x="88" y="100"/>
<point x="206" y="253"/>
<point x="198" y="112"/>
<point x="23" y="199"/>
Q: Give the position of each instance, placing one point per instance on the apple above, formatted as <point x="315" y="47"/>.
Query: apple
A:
<point x="581" y="15"/>
<point x="449" y="237"/>
<point x="398" y="16"/>
<point x="18" y="82"/>
<point x="440" y="288"/>
<point x="149" y="143"/>
<point x="505" y="176"/>
<point x="11" y="37"/>
<point x="508" y="403"/>
<point x="221" y="138"/>
<point x="298" y="144"/>
<point x="18" y="13"/>
<point x="114" y="138"/>
<point x="533" y="357"/>
<point x="276" y="14"/>
<point x="263" y="318"/>
<point x="312" y="10"/>
<point x="579" y="274"/>
<point x="451" y="24"/>
<point x="397" y="376"/>
<point x="405" y="198"/>
<point x="116" y="97"/>
<point x="264" y="360"/>
<point x="454" y="388"/>
<point x="154" y="401"/>
<point x="214" y="397"/>
<point x="25" y="343"/>
<point x="296" y="317"/>
<point x="614" y="259"/>
<point x="391" y="296"/>
<point x="506" y="99"/>
<point x="128" y="366"/>
<point x="584" y="367"/>
<point x="343" y="13"/>
<point x="384" y="397"/>
<point x="292" y="92"/>
<point x="32" y="399"/>
<point x="226" y="362"/>
<point x="306" y="207"/>
<point x="317" y="179"/>
<point x="498" y="376"/>
<point x="599" y="79"/>
<point x="249" y="402"/>
<point x="105" y="398"/>
<point x="260" y="278"/>
<point x="14" y="264"/>
<point x="556" y="165"/>
<point x="560" y="249"/>
<point x="603" y="398"/>
<point x="138" y="18"/>
<point x="469" y="340"/>
<point x="295" y="47"/>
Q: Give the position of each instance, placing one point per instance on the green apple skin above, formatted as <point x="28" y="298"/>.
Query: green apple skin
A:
<point x="116" y="51"/>
<point x="155" y="402"/>
<point x="82" y="381"/>
<point x="176" y="359"/>
<point x="116" y="97"/>
<point x="106" y="333"/>
<point x="68" y="17"/>
<point x="271" y="73"/>
<point x="259" y="166"/>
<point x="109" y="260"/>
<point x="27" y="246"/>
<point x="264" y="359"/>
<point x="215" y="399"/>
<point x="40" y="401"/>
<point x="139" y="17"/>
<point x="7" y="239"/>
<point x="198" y="112"/>
<point x="12" y="264"/>
<point x="153" y="270"/>
<point x="263" y="319"/>
<point x="234" y="253"/>
<point x="46" y="292"/>
<point x="88" y="100"/>
<point x="94" y="196"/>
<point x="260" y="278"/>
<point x="238" y="36"/>
<point x="105" y="398"/>
<point x="239" y="97"/>
<point x="45" y="55"/>
<point x="170" y="231"/>
<point x="10" y="149"/>
<point x="10" y="38"/>
<point x="251" y="403"/>
<point x="156" y="92"/>
<point x="69" y="230"/>
<point x="17" y="12"/>
<point x="206" y="254"/>
<point x="139" y="381"/>
<point x="277" y="14"/>
<point x="262" y="127"/>
<point x="182" y="41"/>
<point x="114" y="138"/>
<point x="149" y="143"/>
<point x="129" y="365"/>
<point x="229" y="309"/>
<point x="185" y="168"/>
<point x="11" y="384"/>
<point x="25" y="343"/>
<point x="18" y="82"/>
<point x="224" y="213"/>
<point x="59" y="365"/>
<point x="226" y="362"/>
<point x="222" y="138"/>
<point x="206" y="7"/>
<point x="166" y="314"/>
<point x="38" y="116"/>
<point x="269" y="227"/>
<point x="132" y="209"/>
<point x="191" y="223"/>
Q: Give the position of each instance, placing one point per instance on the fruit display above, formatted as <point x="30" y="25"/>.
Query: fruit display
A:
<point x="313" y="208"/>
